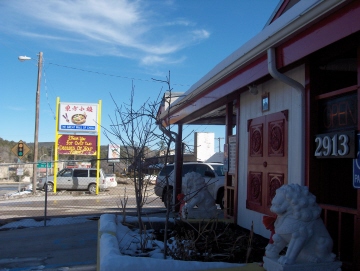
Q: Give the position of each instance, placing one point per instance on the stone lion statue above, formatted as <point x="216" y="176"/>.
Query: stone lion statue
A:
<point x="197" y="194"/>
<point x="299" y="227"/>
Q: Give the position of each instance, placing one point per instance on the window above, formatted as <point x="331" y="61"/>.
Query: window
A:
<point x="93" y="173"/>
<point x="219" y="169"/>
<point x="166" y="170"/>
<point x="201" y="169"/>
<point x="188" y="168"/>
<point x="80" y="173"/>
<point x="65" y="173"/>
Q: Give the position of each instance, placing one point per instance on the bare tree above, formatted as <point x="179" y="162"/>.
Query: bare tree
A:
<point x="166" y="139"/>
<point x="138" y="130"/>
<point x="135" y="128"/>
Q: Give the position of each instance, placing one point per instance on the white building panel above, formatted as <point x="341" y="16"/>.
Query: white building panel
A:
<point x="282" y="97"/>
<point x="204" y="146"/>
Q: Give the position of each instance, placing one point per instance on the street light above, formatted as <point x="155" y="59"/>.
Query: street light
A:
<point x="37" y="107"/>
<point x="42" y="156"/>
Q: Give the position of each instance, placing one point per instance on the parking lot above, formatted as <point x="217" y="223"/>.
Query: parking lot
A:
<point x="70" y="203"/>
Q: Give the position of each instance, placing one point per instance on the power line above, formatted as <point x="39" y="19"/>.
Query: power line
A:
<point x="47" y="96"/>
<point x="112" y="75"/>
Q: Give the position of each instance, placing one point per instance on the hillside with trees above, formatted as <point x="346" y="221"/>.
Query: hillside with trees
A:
<point x="46" y="153"/>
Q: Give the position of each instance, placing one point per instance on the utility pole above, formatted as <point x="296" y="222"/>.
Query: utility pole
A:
<point x="219" y="138"/>
<point x="37" y="107"/>
<point x="36" y="136"/>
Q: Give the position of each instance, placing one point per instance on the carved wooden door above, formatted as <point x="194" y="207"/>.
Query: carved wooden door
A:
<point x="267" y="159"/>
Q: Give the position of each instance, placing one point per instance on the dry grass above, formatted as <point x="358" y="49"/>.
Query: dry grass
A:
<point x="214" y="242"/>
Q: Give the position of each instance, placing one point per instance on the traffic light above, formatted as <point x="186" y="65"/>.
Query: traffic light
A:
<point x="20" y="149"/>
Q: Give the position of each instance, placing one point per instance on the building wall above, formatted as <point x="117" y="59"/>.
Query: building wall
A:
<point x="282" y="97"/>
<point x="6" y="171"/>
<point x="204" y="146"/>
<point x="217" y="157"/>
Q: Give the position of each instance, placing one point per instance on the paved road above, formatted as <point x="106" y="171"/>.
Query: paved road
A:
<point x="50" y="248"/>
<point x="11" y="188"/>
<point x="65" y="203"/>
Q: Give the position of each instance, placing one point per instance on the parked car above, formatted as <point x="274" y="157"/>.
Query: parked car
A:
<point x="151" y="179"/>
<point x="77" y="179"/>
<point x="213" y="173"/>
<point x="111" y="180"/>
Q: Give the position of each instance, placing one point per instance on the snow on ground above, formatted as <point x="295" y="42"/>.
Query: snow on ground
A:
<point x="21" y="192"/>
<point x="116" y="240"/>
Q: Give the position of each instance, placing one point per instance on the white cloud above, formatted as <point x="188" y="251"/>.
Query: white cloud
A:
<point x="134" y="29"/>
<point x="201" y="34"/>
<point x="152" y="59"/>
<point x="180" y="22"/>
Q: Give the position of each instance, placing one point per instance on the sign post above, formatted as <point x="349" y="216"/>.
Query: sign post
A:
<point x="19" y="172"/>
<point x="46" y="192"/>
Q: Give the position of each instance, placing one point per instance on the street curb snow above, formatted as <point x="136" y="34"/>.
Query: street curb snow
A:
<point x="110" y="258"/>
<point x="107" y="226"/>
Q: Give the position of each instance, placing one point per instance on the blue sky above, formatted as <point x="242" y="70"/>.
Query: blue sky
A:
<point x="92" y="49"/>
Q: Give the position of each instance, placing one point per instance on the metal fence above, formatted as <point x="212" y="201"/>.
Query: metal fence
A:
<point x="19" y="201"/>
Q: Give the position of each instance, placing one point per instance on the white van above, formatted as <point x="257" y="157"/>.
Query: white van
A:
<point x="77" y="179"/>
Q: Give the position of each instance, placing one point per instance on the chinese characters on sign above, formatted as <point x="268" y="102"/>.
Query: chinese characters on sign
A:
<point x="77" y="144"/>
<point x="78" y="117"/>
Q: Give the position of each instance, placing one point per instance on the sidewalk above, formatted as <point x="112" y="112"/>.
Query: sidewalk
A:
<point x="71" y="247"/>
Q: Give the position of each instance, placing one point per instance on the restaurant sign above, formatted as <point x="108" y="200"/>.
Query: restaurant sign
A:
<point x="339" y="113"/>
<point x="78" y="117"/>
<point x="77" y="144"/>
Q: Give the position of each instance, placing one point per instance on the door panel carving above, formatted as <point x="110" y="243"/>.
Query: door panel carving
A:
<point x="255" y="188"/>
<point x="267" y="161"/>
<point x="276" y="138"/>
<point x="275" y="180"/>
<point x="256" y="141"/>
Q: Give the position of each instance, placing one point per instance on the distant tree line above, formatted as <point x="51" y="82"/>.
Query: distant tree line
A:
<point x="46" y="153"/>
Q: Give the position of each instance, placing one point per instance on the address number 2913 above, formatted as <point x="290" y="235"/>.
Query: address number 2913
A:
<point x="340" y="145"/>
